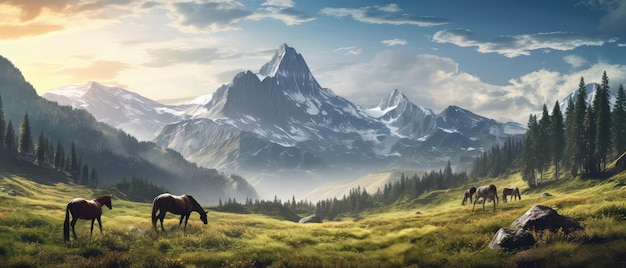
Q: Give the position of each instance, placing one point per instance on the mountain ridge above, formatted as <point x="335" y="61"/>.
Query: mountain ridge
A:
<point x="284" y="105"/>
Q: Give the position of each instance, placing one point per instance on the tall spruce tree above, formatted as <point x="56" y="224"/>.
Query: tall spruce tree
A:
<point x="25" y="143"/>
<point x="529" y="155"/>
<point x="74" y="166"/>
<point x="59" y="155"/>
<point x="602" y="112"/>
<point x="9" y="138"/>
<point x="618" y="122"/>
<point x="2" y="125"/>
<point x="558" y="138"/>
<point x="589" y="139"/>
<point x="40" y="149"/>
<point x="570" y="137"/>
<point x="578" y="131"/>
<point x="543" y="142"/>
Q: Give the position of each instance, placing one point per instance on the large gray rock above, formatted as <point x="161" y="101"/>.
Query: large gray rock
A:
<point x="311" y="219"/>
<point x="510" y="239"/>
<point x="540" y="218"/>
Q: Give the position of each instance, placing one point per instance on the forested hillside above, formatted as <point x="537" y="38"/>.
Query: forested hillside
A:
<point x="112" y="153"/>
<point x="582" y="140"/>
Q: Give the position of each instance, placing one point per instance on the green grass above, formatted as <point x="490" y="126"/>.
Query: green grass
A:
<point x="444" y="233"/>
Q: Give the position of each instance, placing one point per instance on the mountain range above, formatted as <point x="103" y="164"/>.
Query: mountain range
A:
<point x="279" y="122"/>
<point x="113" y="153"/>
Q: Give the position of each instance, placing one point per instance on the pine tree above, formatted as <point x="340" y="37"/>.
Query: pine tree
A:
<point x="589" y="138"/>
<point x="543" y="142"/>
<point x="2" y="125"/>
<point x="40" y="149"/>
<point x="25" y="143"/>
<point x="59" y="156"/>
<point x="73" y="163"/>
<point x="84" y="178"/>
<point x="9" y="138"/>
<point x="576" y="142"/>
<point x="558" y="138"/>
<point x="602" y="111"/>
<point x="529" y="155"/>
<point x="618" y="122"/>
<point x="93" y="178"/>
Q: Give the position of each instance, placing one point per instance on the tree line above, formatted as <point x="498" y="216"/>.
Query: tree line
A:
<point x="358" y="199"/>
<point x="579" y="143"/>
<point x="581" y="140"/>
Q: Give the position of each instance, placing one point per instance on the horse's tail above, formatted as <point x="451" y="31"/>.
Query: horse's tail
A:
<point x="155" y="207"/>
<point x="66" y="224"/>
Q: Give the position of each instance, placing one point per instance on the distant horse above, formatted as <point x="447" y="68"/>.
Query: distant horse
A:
<point x="180" y="205"/>
<point x="84" y="210"/>
<point x="513" y="191"/>
<point x="486" y="192"/>
<point x="468" y="194"/>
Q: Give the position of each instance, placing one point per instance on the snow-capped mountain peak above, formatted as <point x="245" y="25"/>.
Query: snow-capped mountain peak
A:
<point x="286" y="60"/>
<point x="392" y="100"/>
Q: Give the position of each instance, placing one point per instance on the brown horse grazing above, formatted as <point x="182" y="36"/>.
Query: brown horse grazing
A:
<point x="468" y="194"/>
<point x="180" y="205"/>
<point x="486" y="192"/>
<point x="84" y="210"/>
<point x="513" y="191"/>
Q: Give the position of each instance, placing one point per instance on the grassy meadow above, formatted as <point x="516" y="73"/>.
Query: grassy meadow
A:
<point x="431" y="231"/>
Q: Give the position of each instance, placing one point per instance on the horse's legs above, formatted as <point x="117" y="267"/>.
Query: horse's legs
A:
<point x="186" y="219"/>
<point x="475" y="201"/>
<point x="160" y="218"/>
<point x="99" y="224"/>
<point x="92" y="220"/>
<point x="72" y="224"/>
<point x="181" y="221"/>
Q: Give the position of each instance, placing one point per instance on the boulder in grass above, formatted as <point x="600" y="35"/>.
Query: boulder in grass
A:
<point x="509" y="239"/>
<point x="311" y="219"/>
<point x="540" y="218"/>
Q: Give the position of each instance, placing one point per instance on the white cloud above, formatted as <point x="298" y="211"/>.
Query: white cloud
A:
<point x="353" y="50"/>
<point x="575" y="61"/>
<point x="389" y="14"/>
<point x="517" y="45"/>
<point x="209" y="16"/>
<point x="395" y="42"/>
<point x="435" y="82"/>
<point x="286" y="14"/>
<point x="280" y="3"/>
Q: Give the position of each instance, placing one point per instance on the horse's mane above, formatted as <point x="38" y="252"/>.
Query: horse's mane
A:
<point x="193" y="200"/>
<point x="103" y="196"/>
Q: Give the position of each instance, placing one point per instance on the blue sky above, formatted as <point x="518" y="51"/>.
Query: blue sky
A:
<point x="501" y="59"/>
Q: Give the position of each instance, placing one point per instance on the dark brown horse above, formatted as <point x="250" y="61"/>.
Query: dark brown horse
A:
<point x="486" y="192"/>
<point x="84" y="210"/>
<point x="180" y="205"/>
<point x="468" y="194"/>
<point x="513" y="191"/>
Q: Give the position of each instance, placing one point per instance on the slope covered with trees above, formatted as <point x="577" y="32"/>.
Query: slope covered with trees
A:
<point x="96" y="146"/>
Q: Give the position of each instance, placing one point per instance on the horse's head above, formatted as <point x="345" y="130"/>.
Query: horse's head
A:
<point x="105" y="200"/>
<point x="203" y="217"/>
